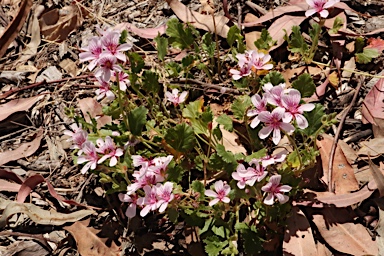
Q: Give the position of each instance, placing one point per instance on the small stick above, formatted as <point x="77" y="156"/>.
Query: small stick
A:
<point x="337" y="134"/>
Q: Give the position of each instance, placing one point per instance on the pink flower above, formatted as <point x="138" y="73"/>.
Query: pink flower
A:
<point x="275" y="189"/>
<point x="150" y="201"/>
<point x="110" y="42"/>
<point x="123" y="80"/>
<point x="164" y="194"/>
<point x="92" y="52"/>
<point x="220" y="193"/>
<point x="109" y="150"/>
<point x="273" y="94"/>
<point x="261" y="105"/>
<point x="268" y="160"/>
<point x="104" y="90"/>
<point x="245" y="70"/>
<point x="132" y="200"/>
<point x="175" y="98"/>
<point x="90" y="157"/>
<point x="319" y="6"/>
<point x="78" y="136"/>
<point x="259" y="60"/>
<point x="159" y="166"/>
<point x="141" y="161"/>
<point x="107" y="64"/>
<point x="250" y="175"/>
<point x="273" y="123"/>
<point x="294" y="110"/>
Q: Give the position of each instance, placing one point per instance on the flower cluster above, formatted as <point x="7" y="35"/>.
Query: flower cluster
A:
<point x="286" y="108"/>
<point x="88" y="152"/>
<point x="148" y="178"/>
<point x="320" y="6"/>
<point x="251" y="61"/>
<point x="105" y="53"/>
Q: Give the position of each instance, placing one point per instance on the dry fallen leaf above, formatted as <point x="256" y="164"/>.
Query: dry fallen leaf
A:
<point x="334" y="79"/>
<point x="25" y="149"/>
<point x="298" y="238"/>
<point x="37" y="215"/>
<point x="250" y="39"/>
<point x="93" y="109"/>
<point x="149" y="33"/>
<point x="200" y="21"/>
<point x="373" y="148"/>
<point x="351" y="65"/>
<point x="373" y="104"/>
<point x="88" y="243"/>
<point x="17" y="105"/>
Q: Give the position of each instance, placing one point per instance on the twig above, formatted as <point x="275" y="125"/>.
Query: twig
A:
<point x="337" y="134"/>
<point x="14" y="90"/>
<point x="222" y="89"/>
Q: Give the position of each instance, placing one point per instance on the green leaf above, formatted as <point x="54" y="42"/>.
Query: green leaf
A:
<point x="219" y="231"/>
<point x="161" y="46"/>
<point x="151" y="81"/>
<point x="181" y="137"/>
<point x="180" y="37"/>
<point x="208" y="45"/>
<point x="314" y="119"/>
<point x="252" y="241"/>
<point x="214" y="246"/>
<point x="173" y="214"/>
<point x="137" y="119"/>
<point x="136" y="61"/>
<point x="198" y="186"/>
<point x="293" y="159"/>
<point x="367" y="55"/>
<point x="227" y="156"/>
<point x="241" y="83"/>
<point x="199" y="119"/>
<point x="193" y="109"/>
<point x="296" y="42"/>
<point x="175" y="172"/>
<point x="240" y="105"/>
<point x="225" y="121"/>
<point x="273" y="77"/>
<point x="305" y="85"/>
<point x="359" y="44"/>
<point x="314" y="32"/>
<point x="337" y="24"/>
<point x="259" y="154"/>
<point x="123" y="36"/>
<point x="265" y="41"/>
<point x="173" y="69"/>
<point x="232" y="35"/>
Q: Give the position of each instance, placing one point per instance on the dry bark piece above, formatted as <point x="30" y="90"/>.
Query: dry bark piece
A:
<point x="88" y="243"/>
<point x="15" y="26"/>
<point x="298" y="238"/>
<point x="213" y="24"/>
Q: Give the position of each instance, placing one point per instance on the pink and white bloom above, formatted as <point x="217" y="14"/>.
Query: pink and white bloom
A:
<point x="90" y="157"/>
<point x="107" y="64"/>
<point x="159" y="166"/>
<point x="92" y="52"/>
<point x="220" y="193"/>
<point x="164" y="195"/>
<point x="273" y="123"/>
<point x="260" y="105"/>
<point x="320" y="6"/>
<point x="273" y="94"/>
<point x="132" y="200"/>
<point x="268" y="160"/>
<point x="141" y="161"/>
<point x="245" y="70"/>
<point x="150" y="201"/>
<point x="275" y="190"/>
<point x="175" y="98"/>
<point x="104" y="90"/>
<point x="78" y="137"/>
<point x="259" y="60"/>
<point x="293" y="109"/>
<point x="108" y="149"/>
<point x="251" y="60"/>
<point x="110" y="42"/>
<point x="250" y="175"/>
<point x="124" y="81"/>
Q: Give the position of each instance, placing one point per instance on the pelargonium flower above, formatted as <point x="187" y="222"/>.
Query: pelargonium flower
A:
<point x="90" y="157"/>
<point x="273" y="94"/>
<point x="268" y="160"/>
<point x="110" y="42"/>
<point x="124" y="81"/>
<point x="260" y="105"/>
<point x="78" y="137"/>
<point x="107" y="64"/>
<point x="274" y="123"/>
<point x="294" y="110"/>
<point x="245" y="70"/>
<point x="109" y="150"/>
<point x="164" y="194"/>
<point x="132" y="200"/>
<point x="320" y="6"/>
<point x="150" y="201"/>
<point x="175" y="98"/>
<point x="250" y="175"/>
<point x="220" y="193"/>
<point x="92" y="52"/>
<point x="259" y="60"/>
<point x="275" y="190"/>
<point x="104" y="90"/>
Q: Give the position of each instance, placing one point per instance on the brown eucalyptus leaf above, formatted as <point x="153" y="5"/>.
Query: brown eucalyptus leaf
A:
<point x="25" y="149"/>
<point x="213" y="24"/>
<point x="378" y="176"/>
<point x="298" y="238"/>
<point x="38" y="215"/>
<point x="372" y="148"/>
<point x="93" y="109"/>
<point x="22" y="104"/>
<point x="380" y="226"/>
<point x="373" y="103"/>
<point x="88" y="243"/>
<point x="149" y="33"/>
<point x="338" y="229"/>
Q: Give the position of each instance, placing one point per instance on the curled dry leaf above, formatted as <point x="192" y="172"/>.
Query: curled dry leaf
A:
<point x="298" y="238"/>
<point x="38" y="215"/>
<point x="149" y="33"/>
<point x="15" y="26"/>
<point x="372" y="148"/>
<point x="56" y="24"/>
<point x="17" y="105"/>
<point x="338" y="229"/>
<point x="213" y="24"/>
<point x="25" y="149"/>
<point x="88" y="243"/>
<point x="373" y="103"/>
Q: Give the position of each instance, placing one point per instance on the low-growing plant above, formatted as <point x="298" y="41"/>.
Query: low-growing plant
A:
<point x="165" y="152"/>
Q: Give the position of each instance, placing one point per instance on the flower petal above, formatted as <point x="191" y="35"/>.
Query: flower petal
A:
<point x="265" y="131"/>
<point x="213" y="202"/>
<point x="269" y="199"/>
<point x="210" y="193"/>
